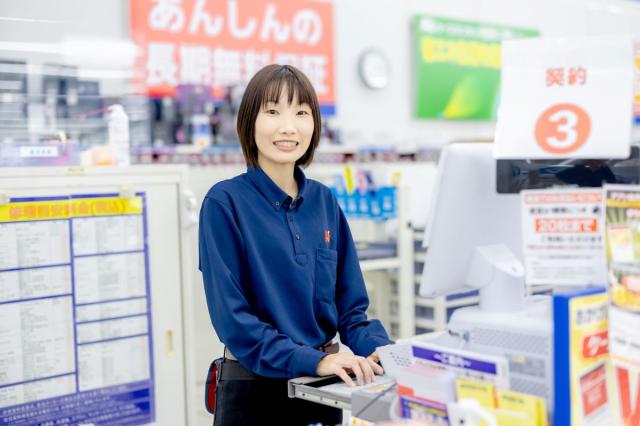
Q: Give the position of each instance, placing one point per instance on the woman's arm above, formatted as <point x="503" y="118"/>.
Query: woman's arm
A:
<point x="256" y="344"/>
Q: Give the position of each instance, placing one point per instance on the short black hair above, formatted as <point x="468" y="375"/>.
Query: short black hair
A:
<point x="266" y="86"/>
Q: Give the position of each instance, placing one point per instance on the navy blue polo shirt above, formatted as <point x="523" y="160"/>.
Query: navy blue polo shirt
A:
<point x="282" y="276"/>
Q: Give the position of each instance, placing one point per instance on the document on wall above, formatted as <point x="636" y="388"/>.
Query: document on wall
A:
<point x="75" y="317"/>
<point x="562" y="237"/>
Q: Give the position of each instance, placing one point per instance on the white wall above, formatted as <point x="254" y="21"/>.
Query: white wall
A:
<point x="385" y="117"/>
<point x="365" y="117"/>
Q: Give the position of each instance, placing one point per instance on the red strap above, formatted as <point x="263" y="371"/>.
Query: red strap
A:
<point x="211" y="388"/>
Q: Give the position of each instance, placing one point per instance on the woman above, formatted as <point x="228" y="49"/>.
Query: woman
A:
<point x="280" y="268"/>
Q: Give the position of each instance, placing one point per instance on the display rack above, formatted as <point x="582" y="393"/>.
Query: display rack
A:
<point x="402" y="324"/>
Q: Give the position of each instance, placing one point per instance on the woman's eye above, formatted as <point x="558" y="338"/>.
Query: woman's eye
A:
<point x="303" y="112"/>
<point x="272" y="111"/>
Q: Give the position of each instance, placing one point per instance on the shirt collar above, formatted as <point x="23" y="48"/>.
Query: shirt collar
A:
<point x="272" y="192"/>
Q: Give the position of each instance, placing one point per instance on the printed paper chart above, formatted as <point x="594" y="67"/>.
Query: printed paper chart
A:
<point x="75" y="322"/>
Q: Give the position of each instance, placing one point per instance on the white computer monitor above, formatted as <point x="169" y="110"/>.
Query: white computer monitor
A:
<point x="473" y="237"/>
<point x="474" y="241"/>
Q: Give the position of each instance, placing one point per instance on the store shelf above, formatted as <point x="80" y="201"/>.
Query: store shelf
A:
<point x="426" y="323"/>
<point x="379" y="264"/>
<point x="382" y="271"/>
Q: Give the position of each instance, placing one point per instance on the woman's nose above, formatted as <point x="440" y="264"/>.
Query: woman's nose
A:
<point x="287" y="127"/>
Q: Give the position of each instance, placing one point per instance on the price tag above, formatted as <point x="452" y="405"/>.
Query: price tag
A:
<point x="39" y="151"/>
<point x="566" y="98"/>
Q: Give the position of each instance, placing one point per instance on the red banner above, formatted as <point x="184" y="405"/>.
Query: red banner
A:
<point x="223" y="43"/>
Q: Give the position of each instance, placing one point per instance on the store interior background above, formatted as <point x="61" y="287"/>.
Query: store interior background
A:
<point x="364" y="117"/>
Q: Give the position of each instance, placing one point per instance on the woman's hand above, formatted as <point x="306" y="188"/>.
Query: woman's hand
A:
<point x="343" y="362"/>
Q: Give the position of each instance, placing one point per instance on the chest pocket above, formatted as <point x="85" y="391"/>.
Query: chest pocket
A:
<point x="326" y="272"/>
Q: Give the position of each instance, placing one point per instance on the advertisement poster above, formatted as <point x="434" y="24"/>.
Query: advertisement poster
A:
<point x="224" y="43"/>
<point x="623" y="258"/>
<point x="458" y="67"/>
<point x="562" y="237"/>
<point x="75" y="311"/>
<point x="583" y="371"/>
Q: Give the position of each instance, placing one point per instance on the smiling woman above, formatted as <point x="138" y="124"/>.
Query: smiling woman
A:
<point x="283" y="131"/>
<point x="280" y="268"/>
<point x="284" y="94"/>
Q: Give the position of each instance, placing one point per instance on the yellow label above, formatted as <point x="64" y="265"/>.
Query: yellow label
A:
<point x="623" y="204"/>
<point x="481" y="392"/>
<point x="509" y="408"/>
<point x="65" y="209"/>
<point x="522" y="403"/>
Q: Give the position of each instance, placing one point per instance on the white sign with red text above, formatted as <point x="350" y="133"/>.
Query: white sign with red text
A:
<point x="562" y="237"/>
<point x="566" y="98"/>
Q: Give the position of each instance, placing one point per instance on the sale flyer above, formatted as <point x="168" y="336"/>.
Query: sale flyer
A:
<point x="562" y="237"/>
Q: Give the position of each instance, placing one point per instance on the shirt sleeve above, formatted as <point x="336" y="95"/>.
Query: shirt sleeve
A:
<point x="257" y="345"/>
<point x="361" y="335"/>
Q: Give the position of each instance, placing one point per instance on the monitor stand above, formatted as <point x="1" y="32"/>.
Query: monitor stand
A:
<point x="507" y="323"/>
<point x="499" y="276"/>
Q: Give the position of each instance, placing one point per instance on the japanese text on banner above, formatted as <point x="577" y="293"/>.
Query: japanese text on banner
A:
<point x="225" y="43"/>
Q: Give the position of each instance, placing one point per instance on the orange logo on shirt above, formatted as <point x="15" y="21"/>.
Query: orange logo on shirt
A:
<point x="327" y="236"/>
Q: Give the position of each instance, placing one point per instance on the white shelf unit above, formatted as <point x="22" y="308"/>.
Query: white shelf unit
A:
<point x="379" y="273"/>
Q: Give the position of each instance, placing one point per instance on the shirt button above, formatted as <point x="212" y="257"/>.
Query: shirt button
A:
<point x="277" y="203"/>
<point x="297" y="236"/>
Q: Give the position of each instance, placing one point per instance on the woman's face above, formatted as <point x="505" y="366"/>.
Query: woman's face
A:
<point x="283" y="131"/>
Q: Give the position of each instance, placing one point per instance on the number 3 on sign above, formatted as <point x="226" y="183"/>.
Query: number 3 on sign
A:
<point x="563" y="128"/>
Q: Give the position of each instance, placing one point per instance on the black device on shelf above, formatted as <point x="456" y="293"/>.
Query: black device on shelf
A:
<point x="515" y="175"/>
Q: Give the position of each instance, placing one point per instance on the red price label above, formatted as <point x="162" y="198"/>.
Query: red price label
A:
<point x="563" y="128"/>
<point x="595" y="344"/>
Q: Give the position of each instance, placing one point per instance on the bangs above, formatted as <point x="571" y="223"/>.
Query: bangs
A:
<point x="286" y="79"/>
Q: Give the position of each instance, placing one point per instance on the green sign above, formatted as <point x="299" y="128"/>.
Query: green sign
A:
<point x="458" y="75"/>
